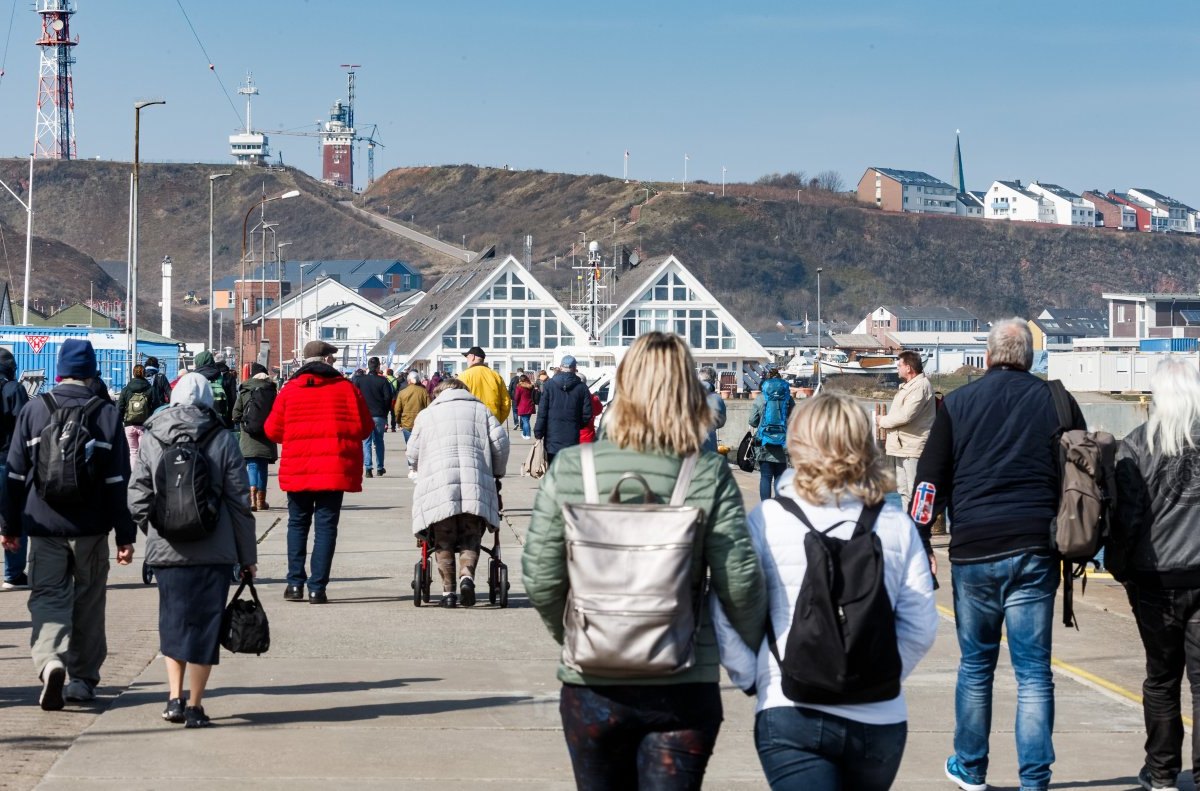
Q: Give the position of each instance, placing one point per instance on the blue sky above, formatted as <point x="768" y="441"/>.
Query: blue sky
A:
<point x="1103" y="94"/>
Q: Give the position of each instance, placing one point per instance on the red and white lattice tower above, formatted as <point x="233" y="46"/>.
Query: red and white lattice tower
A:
<point x="54" y="137"/>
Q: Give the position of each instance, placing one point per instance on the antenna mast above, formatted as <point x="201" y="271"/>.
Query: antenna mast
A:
<point x="54" y="136"/>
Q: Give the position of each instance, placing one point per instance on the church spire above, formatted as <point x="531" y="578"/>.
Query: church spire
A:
<point x="960" y="181"/>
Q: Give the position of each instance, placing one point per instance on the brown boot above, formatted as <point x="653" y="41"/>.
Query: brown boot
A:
<point x="262" y="500"/>
<point x="253" y="499"/>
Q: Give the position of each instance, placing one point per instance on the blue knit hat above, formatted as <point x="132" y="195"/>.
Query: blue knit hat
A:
<point x="77" y="360"/>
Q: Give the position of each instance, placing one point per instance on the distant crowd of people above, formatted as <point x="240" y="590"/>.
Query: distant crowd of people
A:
<point x="640" y="557"/>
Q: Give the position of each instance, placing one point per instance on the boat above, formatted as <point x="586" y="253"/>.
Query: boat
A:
<point x="833" y="362"/>
<point x="800" y="368"/>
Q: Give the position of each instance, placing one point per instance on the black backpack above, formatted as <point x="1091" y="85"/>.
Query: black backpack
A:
<point x="64" y="475"/>
<point x="841" y="647"/>
<point x="185" y="505"/>
<point x="258" y="407"/>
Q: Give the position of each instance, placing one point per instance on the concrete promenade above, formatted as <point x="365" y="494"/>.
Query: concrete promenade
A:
<point x="372" y="692"/>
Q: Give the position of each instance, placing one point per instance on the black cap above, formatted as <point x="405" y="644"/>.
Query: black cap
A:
<point x="475" y="350"/>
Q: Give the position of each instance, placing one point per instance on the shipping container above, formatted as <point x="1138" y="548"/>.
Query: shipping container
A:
<point x="1109" y="372"/>
<point x="1168" y="344"/>
<point x="36" y="349"/>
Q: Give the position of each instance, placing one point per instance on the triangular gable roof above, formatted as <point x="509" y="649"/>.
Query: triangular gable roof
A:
<point x="657" y="268"/>
<point x="347" y="294"/>
<point x="450" y="296"/>
<point x="341" y="307"/>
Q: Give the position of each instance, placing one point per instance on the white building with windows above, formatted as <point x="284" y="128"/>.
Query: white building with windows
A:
<point x="500" y="306"/>
<point x="1172" y="215"/>
<point x="1064" y="207"/>
<point x="1010" y="200"/>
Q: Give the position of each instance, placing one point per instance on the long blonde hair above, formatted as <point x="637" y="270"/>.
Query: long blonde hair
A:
<point x="1175" y="418"/>
<point x="834" y="453"/>
<point x="659" y="404"/>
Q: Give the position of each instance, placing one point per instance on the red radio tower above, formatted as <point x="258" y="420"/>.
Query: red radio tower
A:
<point x="55" y="134"/>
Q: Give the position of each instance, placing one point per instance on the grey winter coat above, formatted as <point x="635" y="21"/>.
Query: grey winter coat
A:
<point x="233" y="541"/>
<point x="253" y="447"/>
<point x="458" y="449"/>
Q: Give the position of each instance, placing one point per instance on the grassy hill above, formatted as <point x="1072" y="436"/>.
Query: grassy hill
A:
<point x="757" y="248"/>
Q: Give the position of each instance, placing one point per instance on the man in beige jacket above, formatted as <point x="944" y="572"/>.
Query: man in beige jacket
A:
<point x="908" y="422"/>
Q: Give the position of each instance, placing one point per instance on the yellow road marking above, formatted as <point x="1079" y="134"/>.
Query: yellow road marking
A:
<point x="1079" y="672"/>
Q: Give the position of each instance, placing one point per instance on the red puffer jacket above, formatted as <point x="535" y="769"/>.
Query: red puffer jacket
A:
<point x="320" y="421"/>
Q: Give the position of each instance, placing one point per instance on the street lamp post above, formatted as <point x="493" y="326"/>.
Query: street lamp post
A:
<point x="722" y="181"/>
<point x="819" y="327"/>
<point x="211" y="291"/>
<point x="27" y="205"/>
<point x="242" y="282"/>
<point x="279" y="305"/>
<point x="133" y="264"/>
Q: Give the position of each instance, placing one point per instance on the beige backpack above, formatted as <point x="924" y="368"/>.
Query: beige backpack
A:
<point x="631" y="608"/>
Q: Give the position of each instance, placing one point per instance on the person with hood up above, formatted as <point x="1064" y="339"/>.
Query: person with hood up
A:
<point x="13" y="398"/>
<point x="68" y="536"/>
<point x="214" y="373"/>
<point x="433" y="382"/>
<point x="193" y="576"/>
<point x="565" y="409"/>
<point x="157" y="380"/>
<point x="136" y="404"/>
<point x="259" y="451"/>
<point x="458" y="449"/>
<point x="321" y="420"/>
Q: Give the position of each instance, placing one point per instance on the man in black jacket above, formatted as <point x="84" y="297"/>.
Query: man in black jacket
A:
<point x="565" y="408"/>
<point x="992" y="457"/>
<point x="12" y="400"/>
<point x="378" y="393"/>
<point x="68" y="543"/>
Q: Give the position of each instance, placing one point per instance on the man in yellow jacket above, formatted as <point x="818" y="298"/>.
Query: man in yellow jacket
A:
<point x="486" y="385"/>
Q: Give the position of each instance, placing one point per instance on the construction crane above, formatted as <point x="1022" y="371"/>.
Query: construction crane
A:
<point x="371" y="140"/>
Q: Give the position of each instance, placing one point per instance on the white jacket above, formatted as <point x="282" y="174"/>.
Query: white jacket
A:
<point x="458" y="449"/>
<point x="910" y="418"/>
<point x="779" y="540"/>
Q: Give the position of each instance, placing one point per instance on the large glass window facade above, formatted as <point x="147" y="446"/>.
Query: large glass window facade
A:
<point x="500" y="328"/>
<point x="509" y="288"/>
<point x="699" y="327"/>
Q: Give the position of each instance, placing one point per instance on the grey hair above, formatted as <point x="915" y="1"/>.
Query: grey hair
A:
<point x="1011" y="343"/>
<point x="414" y="377"/>
<point x="1175" y="417"/>
<point x="708" y="374"/>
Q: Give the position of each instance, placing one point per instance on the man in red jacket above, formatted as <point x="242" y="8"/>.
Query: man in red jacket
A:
<point x="320" y="420"/>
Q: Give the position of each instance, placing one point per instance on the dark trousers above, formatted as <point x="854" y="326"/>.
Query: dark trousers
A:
<point x="650" y="738"/>
<point x="1169" y="623"/>
<point x="305" y="508"/>
<point x="808" y="750"/>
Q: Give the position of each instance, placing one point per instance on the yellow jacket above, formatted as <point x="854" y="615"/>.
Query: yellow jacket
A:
<point x="488" y="386"/>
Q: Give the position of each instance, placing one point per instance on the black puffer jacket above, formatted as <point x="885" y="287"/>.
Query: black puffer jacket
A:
<point x="13" y="398"/>
<point x="565" y="408"/>
<point x="137" y="385"/>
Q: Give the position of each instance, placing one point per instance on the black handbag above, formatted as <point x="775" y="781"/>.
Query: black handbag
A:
<point x="745" y="453"/>
<point x="244" y="627"/>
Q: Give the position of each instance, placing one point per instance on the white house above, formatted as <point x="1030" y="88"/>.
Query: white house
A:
<point x="1010" y="200"/>
<point x="1064" y="207"/>
<point x="1180" y="217"/>
<point x="945" y="352"/>
<point x="969" y="204"/>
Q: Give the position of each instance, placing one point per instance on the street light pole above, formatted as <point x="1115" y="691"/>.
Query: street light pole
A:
<point x="722" y="181"/>
<point x="211" y="292"/>
<point x="819" y="327"/>
<point x="133" y="264"/>
<point x="27" y="205"/>
<point x="242" y="283"/>
<point x="279" y="304"/>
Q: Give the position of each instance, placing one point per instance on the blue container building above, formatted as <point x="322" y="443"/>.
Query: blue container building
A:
<point x="36" y="348"/>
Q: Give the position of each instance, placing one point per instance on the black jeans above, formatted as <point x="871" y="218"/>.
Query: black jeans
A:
<point x="1168" y="620"/>
<point x="650" y="738"/>
<point x="808" y="750"/>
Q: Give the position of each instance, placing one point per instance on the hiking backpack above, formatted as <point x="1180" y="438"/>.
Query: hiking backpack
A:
<point x="137" y="408"/>
<point x="185" y="505"/>
<point x="772" y="425"/>
<point x="632" y="610"/>
<point x="257" y="409"/>
<point x="162" y="388"/>
<point x="841" y="647"/>
<point x="64" y="473"/>
<point x="220" y="398"/>
<point x="1087" y="475"/>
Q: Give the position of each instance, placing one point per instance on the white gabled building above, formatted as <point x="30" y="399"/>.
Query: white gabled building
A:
<point x="1180" y="217"/>
<point x="500" y="306"/>
<point x="1065" y="207"/>
<point x="661" y="294"/>
<point x="1010" y="200"/>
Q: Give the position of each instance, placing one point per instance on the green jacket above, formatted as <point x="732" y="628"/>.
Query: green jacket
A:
<point x="776" y="453"/>
<point x="253" y="447"/>
<point x="733" y="566"/>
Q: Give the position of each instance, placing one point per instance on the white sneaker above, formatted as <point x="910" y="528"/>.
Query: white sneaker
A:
<point x="412" y="475"/>
<point x="79" y="690"/>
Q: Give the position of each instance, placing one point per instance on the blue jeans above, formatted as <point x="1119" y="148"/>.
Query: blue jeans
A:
<point x="14" y="562"/>
<point x="769" y="473"/>
<point x="524" y="426"/>
<point x="256" y="470"/>
<point x="1018" y="594"/>
<point x="804" y="749"/>
<point x="305" y="508"/>
<point x="375" y="439"/>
